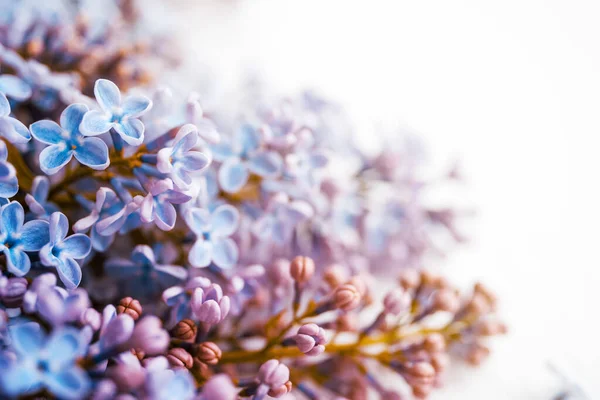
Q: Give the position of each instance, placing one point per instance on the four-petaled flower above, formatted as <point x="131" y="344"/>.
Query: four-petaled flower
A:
<point x="242" y="156"/>
<point x="180" y="160"/>
<point x="212" y="230"/>
<point x="45" y="362"/>
<point x="62" y="251"/>
<point x="122" y="115"/>
<point x="158" y="206"/>
<point x="66" y="141"/>
<point x="11" y="128"/>
<point x="209" y="305"/>
<point x="16" y="238"/>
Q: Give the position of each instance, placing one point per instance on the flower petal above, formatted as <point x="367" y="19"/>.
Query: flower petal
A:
<point x="266" y="164"/>
<point x="76" y="246"/>
<point x="59" y="227"/>
<point x="198" y="219"/>
<point x="72" y="383"/>
<point x="64" y="346"/>
<point x="71" y="117"/>
<point x="40" y="188"/>
<point x="201" y="255"/>
<point x="34" y="235"/>
<point x="9" y="188"/>
<point x="136" y="105"/>
<point x="46" y="131"/>
<point x="233" y="175"/>
<point x="100" y="242"/>
<point x="249" y="139"/>
<point x="166" y="215"/>
<point x="95" y="123"/>
<point x="225" y="253"/>
<point x="131" y="131"/>
<point x="93" y="153"/>
<point x="69" y="272"/>
<point x="54" y="157"/>
<point x="27" y="338"/>
<point x="224" y="220"/>
<point x="12" y="217"/>
<point x="20" y="379"/>
<point x="14" y="87"/>
<point x="18" y="262"/>
<point x="14" y="130"/>
<point x="193" y="161"/>
<point x="4" y="106"/>
<point x="107" y="94"/>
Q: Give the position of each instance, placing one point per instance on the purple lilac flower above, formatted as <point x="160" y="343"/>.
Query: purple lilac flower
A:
<point x="66" y="141"/>
<point x="311" y="339"/>
<point x="180" y="160"/>
<point x="117" y="114"/>
<point x="243" y="155"/>
<point x="178" y="298"/>
<point x="158" y="206"/>
<point x="11" y="128"/>
<point x="17" y="238"/>
<point x="212" y="230"/>
<point x="209" y="305"/>
<point x="45" y="361"/>
<point x="62" y="251"/>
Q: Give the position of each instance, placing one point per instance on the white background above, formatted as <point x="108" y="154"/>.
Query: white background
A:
<point x="512" y="89"/>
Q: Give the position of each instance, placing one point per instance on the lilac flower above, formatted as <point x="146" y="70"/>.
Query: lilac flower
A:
<point x="219" y="387"/>
<point x="57" y="306"/>
<point x="143" y="274"/>
<point x="158" y="207"/>
<point x="212" y="230"/>
<point x="242" y="156"/>
<point x="45" y="362"/>
<point x="167" y="384"/>
<point x="281" y="218"/>
<point x="108" y="215"/>
<point x="14" y="87"/>
<point x="272" y="375"/>
<point x="37" y="200"/>
<point x="149" y="336"/>
<point x="16" y="238"/>
<point x="66" y="141"/>
<point x="11" y="128"/>
<point x="180" y="160"/>
<point x="122" y="115"/>
<point x="179" y="298"/>
<point x="62" y="251"/>
<point x="9" y="184"/>
<point x="210" y="306"/>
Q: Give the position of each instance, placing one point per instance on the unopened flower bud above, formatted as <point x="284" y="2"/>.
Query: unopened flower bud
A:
<point x="302" y="269"/>
<point x="397" y="301"/>
<point x="186" y="330"/>
<point x="281" y="390"/>
<point x="334" y="275"/>
<point x="209" y="305"/>
<point x="359" y="284"/>
<point x="346" y="297"/>
<point x="149" y="336"/>
<point x="446" y="300"/>
<point x="420" y="370"/>
<point x="92" y="318"/>
<point x="311" y="339"/>
<point x="219" y="387"/>
<point x="439" y="361"/>
<point x="409" y="279"/>
<point x="434" y="343"/>
<point x="477" y="353"/>
<point x="126" y="377"/>
<point x="179" y="357"/>
<point x="274" y="374"/>
<point x="131" y="307"/>
<point x="208" y="352"/>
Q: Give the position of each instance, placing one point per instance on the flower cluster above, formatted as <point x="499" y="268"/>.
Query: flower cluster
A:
<point x="156" y="250"/>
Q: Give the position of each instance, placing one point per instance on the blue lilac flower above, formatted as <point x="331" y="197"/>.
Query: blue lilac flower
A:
<point x="158" y="206"/>
<point x="66" y="141"/>
<point x="213" y="231"/>
<point x="11" y="128"/>
<point x="45" y="362"/>
<point x="122" y="115"/>
<point x="143" y="274"/>
<point x="17" y="238"/>
<point x="243" y="155"/>
<point x="180" y="160"/>
<point x="62" y="251"/>
<point x="281" y="218"/>
<point x="9" y="184"/>
<point x="108" y="215"/>
<point x="37" y="199"/>
<point x="165" y="384"/>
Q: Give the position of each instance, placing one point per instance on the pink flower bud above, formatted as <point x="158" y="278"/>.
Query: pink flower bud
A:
<point x="346" y="297"/>
<point x="149" y="336"/>
<point x="302" y="269"/>
<point x="281" y="390"/>
<point x="210" y="306"/>
<point x="396" y="302"/>
<point x="311" y="339"/>
<point x="273" y="374"/>
<point x="219" y="387"/>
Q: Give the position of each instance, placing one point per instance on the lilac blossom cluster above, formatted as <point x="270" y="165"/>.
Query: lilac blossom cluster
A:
<point x="155" y="250"/>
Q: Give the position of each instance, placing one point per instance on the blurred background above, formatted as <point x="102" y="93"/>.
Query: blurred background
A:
<point x="512" y="90"/>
